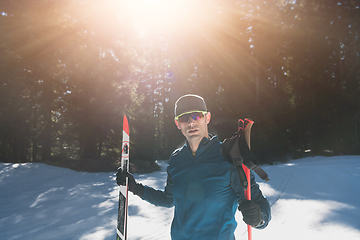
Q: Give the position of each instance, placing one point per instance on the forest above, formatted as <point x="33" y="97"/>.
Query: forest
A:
<point x="70" y="70"/>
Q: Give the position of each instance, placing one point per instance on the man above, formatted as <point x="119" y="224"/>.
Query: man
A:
<point x="201" y="184"/>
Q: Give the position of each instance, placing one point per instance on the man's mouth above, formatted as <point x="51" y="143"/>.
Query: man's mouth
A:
<point x="193" y="130"/>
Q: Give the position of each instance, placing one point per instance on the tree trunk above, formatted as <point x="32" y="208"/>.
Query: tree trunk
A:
<point x="89" y="145"/>
<point x="46" y="141"/>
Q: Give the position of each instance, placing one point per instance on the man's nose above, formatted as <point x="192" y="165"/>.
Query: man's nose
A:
<point x="191" y="120"/>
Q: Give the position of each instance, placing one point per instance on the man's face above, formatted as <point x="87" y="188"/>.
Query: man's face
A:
<point x="194" y="129"/>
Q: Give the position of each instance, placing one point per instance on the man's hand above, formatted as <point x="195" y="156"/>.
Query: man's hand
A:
<point x="251" y="213"/>
<point x="121" y="177"/>
<point x="135" y="188"/>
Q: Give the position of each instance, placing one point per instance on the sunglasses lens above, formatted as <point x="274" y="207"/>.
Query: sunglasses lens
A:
<point x="195" y="116"/>
<point x="184" y="118"/>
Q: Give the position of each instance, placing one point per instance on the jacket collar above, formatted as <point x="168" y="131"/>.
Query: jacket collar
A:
<point x="204" y="144"/>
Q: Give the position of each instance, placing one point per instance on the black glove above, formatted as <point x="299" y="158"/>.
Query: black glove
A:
<point x="135" y="188"/>
<point x="251" y="213"/>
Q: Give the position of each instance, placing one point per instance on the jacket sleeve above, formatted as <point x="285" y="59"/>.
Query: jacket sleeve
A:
<point x="159" y="197"/>
<point x="256" y="195"/>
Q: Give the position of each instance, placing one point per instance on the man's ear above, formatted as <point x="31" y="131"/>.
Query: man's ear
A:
<point x="208" y="117"/>
<point x="177" y="124"/>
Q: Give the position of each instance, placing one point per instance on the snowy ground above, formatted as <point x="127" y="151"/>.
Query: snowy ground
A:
<point x="312" y="198"/>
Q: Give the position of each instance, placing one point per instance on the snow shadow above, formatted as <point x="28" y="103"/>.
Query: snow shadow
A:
<point x="46" y="202"/>
<point x="331" y="181"/>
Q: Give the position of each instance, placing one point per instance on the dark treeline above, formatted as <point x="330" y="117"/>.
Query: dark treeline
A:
<point x="71" y="69"/>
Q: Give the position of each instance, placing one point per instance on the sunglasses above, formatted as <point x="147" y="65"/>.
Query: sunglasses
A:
<point x="194" y="115"/>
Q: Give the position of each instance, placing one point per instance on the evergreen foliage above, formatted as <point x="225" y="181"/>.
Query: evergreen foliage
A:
<point x="69" y="71"/>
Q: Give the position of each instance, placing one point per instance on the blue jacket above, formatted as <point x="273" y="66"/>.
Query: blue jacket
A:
<point x="205" y="190"/>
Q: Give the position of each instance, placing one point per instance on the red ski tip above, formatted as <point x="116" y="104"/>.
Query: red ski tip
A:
<point x="126" y="125"/>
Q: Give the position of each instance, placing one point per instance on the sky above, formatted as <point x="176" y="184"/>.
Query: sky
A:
<point x="311" y="198"/>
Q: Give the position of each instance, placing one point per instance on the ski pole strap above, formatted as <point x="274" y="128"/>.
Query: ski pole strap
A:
<point x="230" y="152"/>
<point x="248" y="159"/>
<point x="244" y="146"/>
<point x="237" y="148"/>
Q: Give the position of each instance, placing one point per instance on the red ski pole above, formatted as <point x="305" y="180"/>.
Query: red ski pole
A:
<point x="246" y="127"/>
<point x="248" y="196"/>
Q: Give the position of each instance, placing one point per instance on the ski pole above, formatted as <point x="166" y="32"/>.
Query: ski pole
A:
<point x="248" y="196"/>
<point x="246" y="127"/>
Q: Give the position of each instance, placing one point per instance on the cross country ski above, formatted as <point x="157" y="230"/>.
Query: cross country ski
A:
<point x="121" y="232"/>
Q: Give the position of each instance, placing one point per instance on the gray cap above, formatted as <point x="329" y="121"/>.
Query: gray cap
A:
<point x="188" y="103"/>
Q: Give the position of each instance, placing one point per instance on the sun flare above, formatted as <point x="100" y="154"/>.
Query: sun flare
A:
<point x="149" y="15"/>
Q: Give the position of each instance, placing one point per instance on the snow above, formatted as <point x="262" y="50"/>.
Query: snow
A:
<point x="311" y="198"/>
